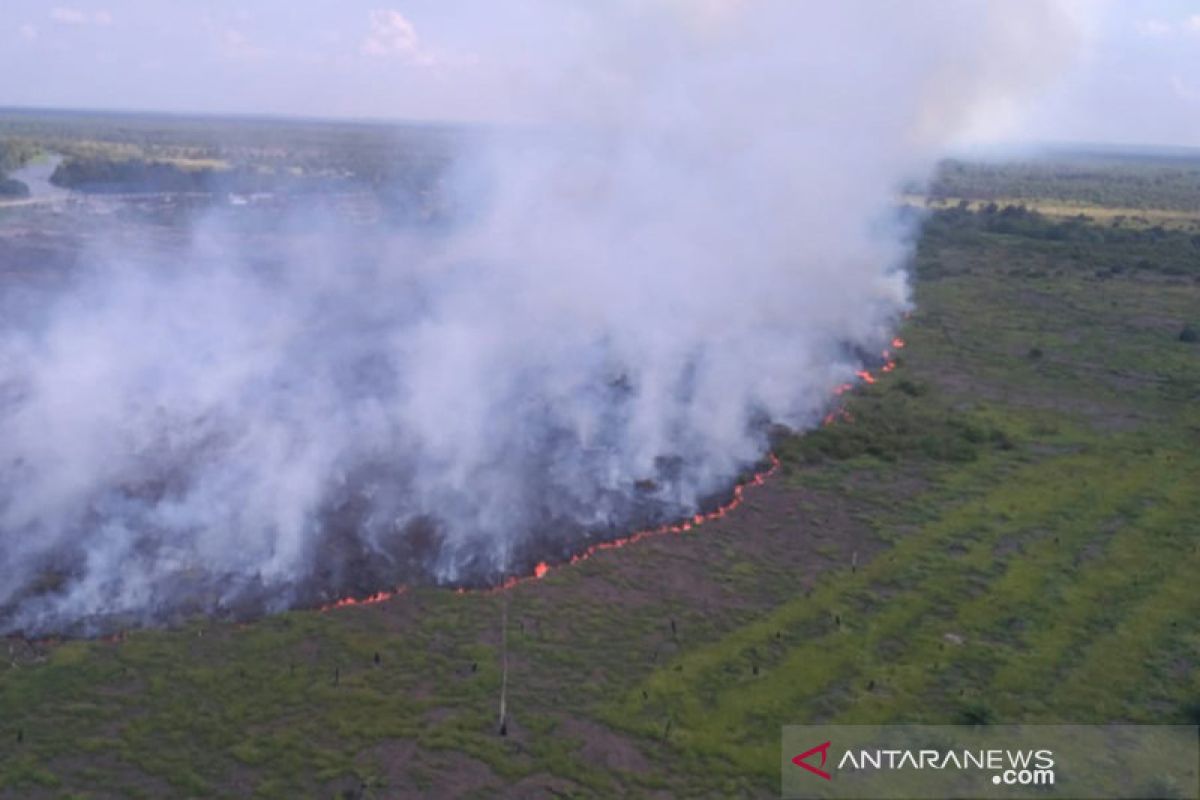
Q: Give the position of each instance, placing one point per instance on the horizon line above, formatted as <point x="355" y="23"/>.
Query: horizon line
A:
<point x="1014" y="147"/>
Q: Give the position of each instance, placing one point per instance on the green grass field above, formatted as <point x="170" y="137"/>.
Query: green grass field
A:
<point x="1007" y="530"/>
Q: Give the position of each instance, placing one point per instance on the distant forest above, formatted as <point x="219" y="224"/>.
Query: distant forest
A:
<point x="1143" y="182"/>
<point x="128" y="153"/>
<point x="108" y="175"/>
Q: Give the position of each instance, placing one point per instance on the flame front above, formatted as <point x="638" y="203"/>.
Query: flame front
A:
<point x="542" y="568"/>
<point x="369" y="600"/>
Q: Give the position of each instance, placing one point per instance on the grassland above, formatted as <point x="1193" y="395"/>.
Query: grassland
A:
<point x="1119" y="216"/>
<point x="1007" y="530"/>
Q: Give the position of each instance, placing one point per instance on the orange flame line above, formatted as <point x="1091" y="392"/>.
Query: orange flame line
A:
<point x="369" y="600"/>
<point x="542" y="568"/>
<point x="696" y="520"/>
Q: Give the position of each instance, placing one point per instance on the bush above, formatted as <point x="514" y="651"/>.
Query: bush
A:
<point x="10" y="187"/>
<point x="892" y="422"/>
<point x="977" y="714"/>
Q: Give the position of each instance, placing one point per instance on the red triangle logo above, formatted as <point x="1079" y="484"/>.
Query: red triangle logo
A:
<point x="823" y="749"/>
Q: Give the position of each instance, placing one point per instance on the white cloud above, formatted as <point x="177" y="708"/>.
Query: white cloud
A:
<point x="1184" y="90"/>
<point x="236" y="46"/>
<point x="28" y="32"/>
<point x="392" y="35"/>
<point x="73" y="16"/>
<point x="1160" y="28"/>
<point x="1154" y="27"/>
<point x="69" y="16"/>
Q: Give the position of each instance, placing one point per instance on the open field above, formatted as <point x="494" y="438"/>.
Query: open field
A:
<point x="1008" y="529"/>
<point x="1130" y="217"/>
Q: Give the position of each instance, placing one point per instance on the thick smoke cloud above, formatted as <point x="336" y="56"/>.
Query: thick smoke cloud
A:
<point x="696" y="240"/>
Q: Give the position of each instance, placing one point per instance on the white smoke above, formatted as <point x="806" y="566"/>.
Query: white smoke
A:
<point x="698" y="239"/>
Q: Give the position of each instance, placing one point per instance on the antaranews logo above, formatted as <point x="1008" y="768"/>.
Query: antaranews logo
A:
<point x="989" y="762"/>
<point x="1009" y="767"/>
<point x="801" y="760"/>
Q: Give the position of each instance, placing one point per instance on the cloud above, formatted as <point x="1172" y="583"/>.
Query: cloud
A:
<point x="69" y="16"/>
<point x="393" y="36"/>
<point x="1158" y="28"/>
<point x="28" y="32"/>
<point x="73" y="16"/>
<point x="1184" y="90"/>
<point x="236" y="46"/>
<point x="1154" y="27"/>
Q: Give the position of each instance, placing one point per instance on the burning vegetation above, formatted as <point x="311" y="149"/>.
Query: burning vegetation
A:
<point x="534" y="345"/>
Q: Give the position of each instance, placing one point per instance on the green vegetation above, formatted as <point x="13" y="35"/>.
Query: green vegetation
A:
<point x="895" y="423"/>
<point x="10" y="188"/>
<point x="1005" y="530"/>
<point x="1107" y="249"/>
<point x="1046" y="575"/>
<point x="105" y="175"/>
<point x="132" y="175"/>
<point x="1147" y="180"/>
<point x="14" y="154"/>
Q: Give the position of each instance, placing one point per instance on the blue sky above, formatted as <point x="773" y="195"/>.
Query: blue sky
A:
<point x="1135" y="78"/>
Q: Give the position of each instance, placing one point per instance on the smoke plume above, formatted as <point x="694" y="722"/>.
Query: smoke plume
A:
<point x="692" y="239"/>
